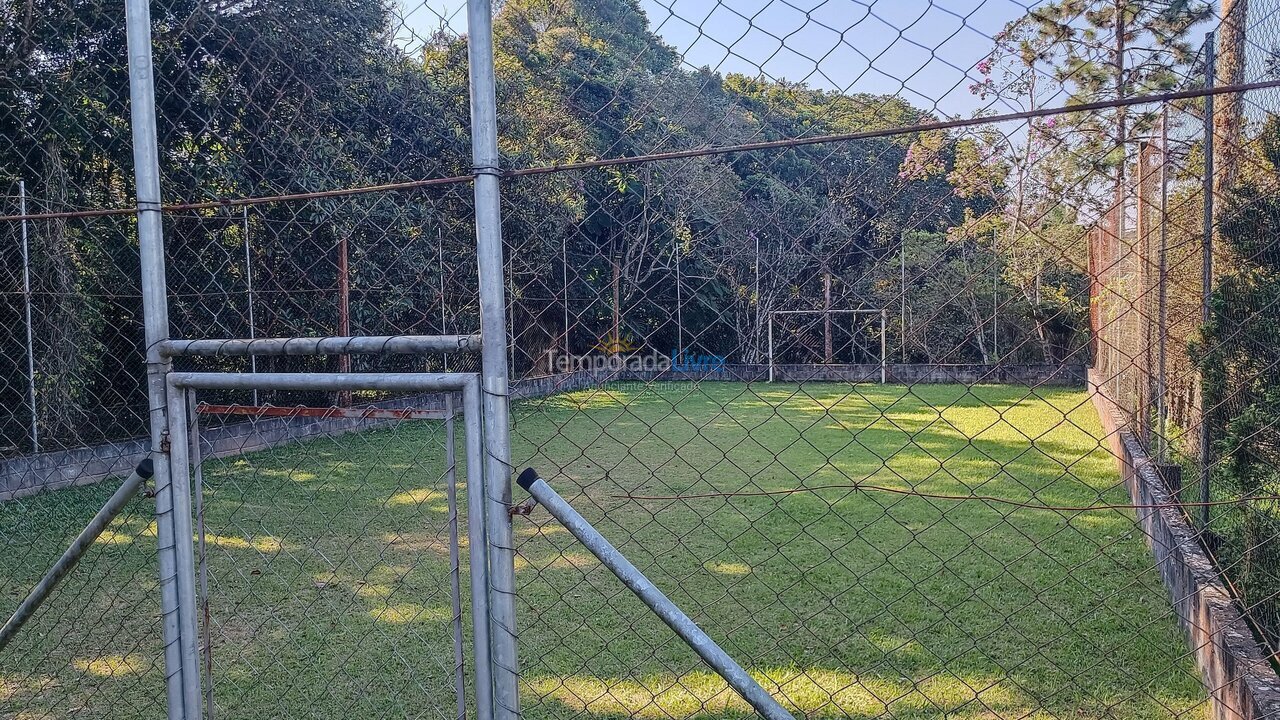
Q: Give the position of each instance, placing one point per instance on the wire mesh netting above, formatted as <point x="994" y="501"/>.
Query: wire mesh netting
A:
<point x="1175" y="274"/>
<point x="834" y="317"/>
<point x="337" y="556"/>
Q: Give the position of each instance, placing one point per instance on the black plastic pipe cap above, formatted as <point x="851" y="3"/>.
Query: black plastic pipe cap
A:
<point x="527" y="478"/>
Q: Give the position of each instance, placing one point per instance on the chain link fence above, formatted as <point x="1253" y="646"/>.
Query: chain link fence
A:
<point x="815" y="311"/>
<point x="1181" y="276"/>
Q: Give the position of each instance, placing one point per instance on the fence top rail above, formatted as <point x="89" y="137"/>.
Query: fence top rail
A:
<point x="336" y="345"/>
<point x="401" y="381"/>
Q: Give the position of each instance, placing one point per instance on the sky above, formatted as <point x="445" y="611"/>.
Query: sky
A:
<point x="923" y="50"/>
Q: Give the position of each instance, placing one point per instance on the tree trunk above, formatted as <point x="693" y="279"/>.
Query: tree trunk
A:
<point x="975" y="313"/>
<point x="61" y="328"/>
<point x="1228" y="115"/>
<point x="1121" y="131"/>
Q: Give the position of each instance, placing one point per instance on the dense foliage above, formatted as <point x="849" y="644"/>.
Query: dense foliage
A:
<point x="264" y="98"/>
<point x="1239" y="356"/>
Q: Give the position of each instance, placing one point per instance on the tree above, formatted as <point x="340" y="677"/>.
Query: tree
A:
<point x="1103" y="50"/>
<point x="1238" y="354"/>
<point x="1228" y="116"/>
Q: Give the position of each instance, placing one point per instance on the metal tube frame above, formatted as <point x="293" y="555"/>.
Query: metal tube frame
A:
<point x="324" y="413"/>
<point x="335" y="345"/>
<point x="486" y="403"/>
<point x="202" y="556"/>
<point x="455" y="563"/>
<point x="181" y="387"/>
<point x="669" y="612"/>
<point x="493" y="327"/>
<point x="181" y="490"/>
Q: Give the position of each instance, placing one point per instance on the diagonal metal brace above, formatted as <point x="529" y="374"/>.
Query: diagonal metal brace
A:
<point x="72" y="555"/>
<point x="673" y="616"/>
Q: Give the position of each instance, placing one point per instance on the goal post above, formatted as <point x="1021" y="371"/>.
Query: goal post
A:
<point x="881" y="313"/>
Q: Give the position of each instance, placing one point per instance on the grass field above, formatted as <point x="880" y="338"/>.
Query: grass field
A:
<point x="328" y="567"/>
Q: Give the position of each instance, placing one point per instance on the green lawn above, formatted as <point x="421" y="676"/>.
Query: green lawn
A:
<point x="328" y="568"/>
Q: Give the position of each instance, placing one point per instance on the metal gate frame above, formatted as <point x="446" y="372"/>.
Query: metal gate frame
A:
<point x="181" y="388"/>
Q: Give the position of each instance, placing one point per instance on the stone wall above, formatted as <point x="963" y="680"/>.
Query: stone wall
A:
<point x="910" y="374"/>
<point x="60" y="469"/>
<point x="1241" y="682"/>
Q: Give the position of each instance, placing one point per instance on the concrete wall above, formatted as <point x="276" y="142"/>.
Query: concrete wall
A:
<point x="32" y="474"/>
<point x="49" y="471"/>
<point x="1241" y="682"/>
<point x="1029" y="375"/>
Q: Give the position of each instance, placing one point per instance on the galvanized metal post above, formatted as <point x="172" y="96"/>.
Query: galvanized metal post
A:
<point x="478" y="548"/>
<point x="202" y="555"/>
<point x="884" y="357"/>
<point x="26" y="302"/>
<point x="1206" y="278"/>
<point x="184" y="532"/>
<point x="455" y="564"/>
<point x="770" y="346"/>
<point x="173" y="504"/>
<point x="494" y="379"/>
<point x="1162" y="389"/>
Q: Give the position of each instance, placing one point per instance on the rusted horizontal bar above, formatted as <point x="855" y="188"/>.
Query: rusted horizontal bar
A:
<point x="706" y="151"/>
<point x="873" y="311"/>
<point x="325" y="413"/>
<point x="372" y="344"/>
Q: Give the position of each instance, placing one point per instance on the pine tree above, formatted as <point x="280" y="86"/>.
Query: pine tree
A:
<point x="1109" y="50"/>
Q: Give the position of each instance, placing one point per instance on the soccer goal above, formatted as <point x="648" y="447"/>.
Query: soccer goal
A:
<point x="854" y="340"/>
